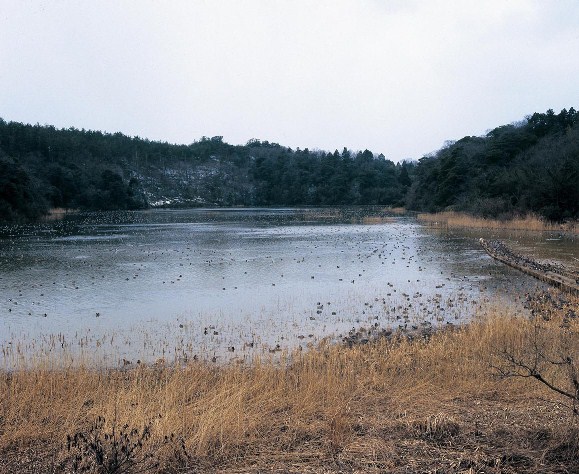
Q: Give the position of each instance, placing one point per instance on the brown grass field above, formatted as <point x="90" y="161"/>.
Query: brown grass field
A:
<point x="529" y="222"/>
<point x="401" y="405"/>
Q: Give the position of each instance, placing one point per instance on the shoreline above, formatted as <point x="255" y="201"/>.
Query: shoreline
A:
<point x="451" y="219"/>
<point x="387" y="404"/>
<point x="57" y="213"/>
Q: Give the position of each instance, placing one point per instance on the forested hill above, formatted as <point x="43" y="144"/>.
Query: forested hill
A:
<point x="531" y="166"/>
<point x="42" y="167"/>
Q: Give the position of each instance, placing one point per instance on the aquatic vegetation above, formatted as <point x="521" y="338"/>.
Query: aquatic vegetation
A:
<point x="376" y="406"/>
<point x="529" y="222"/>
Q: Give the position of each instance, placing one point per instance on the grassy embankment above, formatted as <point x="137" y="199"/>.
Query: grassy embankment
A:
<point x="388" y="406"/>
<point x="529" y="222"/>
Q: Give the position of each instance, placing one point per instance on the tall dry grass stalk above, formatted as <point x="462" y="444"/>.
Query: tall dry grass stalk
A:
<point x="313" y="405"/>
<point x="529" y="222"/>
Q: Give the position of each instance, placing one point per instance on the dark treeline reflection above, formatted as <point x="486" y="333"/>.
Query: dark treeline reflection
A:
<point x="529" y="166"/>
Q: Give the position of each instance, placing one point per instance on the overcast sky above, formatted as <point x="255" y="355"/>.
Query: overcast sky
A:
<point x="397" y="77"/>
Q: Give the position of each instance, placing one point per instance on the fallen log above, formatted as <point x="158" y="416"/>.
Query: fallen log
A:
<point x="545" y="272"/>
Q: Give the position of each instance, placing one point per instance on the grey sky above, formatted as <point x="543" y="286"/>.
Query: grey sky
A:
<point x="396" y="77"/>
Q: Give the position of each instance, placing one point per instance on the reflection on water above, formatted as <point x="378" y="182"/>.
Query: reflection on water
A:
<point x="227" y="283"/>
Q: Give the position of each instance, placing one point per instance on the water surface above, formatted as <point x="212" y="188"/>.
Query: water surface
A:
<point x="227" y="283"/>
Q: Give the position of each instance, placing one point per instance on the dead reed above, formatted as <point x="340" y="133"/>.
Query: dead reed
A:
<point x="529" y="222"/>
<point x="389" y="405"/>
<point x="400" y="211"/>
<point x="377" y="220"/>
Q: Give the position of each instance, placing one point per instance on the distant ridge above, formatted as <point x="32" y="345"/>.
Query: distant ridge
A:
<point x="531" y="166"/>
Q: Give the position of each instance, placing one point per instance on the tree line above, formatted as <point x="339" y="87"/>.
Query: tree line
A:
<point x="42" y="167"/>
<point x="531" y="166"/>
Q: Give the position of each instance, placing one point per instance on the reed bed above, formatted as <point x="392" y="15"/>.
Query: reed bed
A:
<point x="399" y="211"/>
<point x="529" y="222"/>
<point x="391" y="405"/>
<point x="377" y="220"/>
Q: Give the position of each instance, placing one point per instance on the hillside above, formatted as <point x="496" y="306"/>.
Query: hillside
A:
<point x="42" y="167"/>
<point x="531" y="166"/>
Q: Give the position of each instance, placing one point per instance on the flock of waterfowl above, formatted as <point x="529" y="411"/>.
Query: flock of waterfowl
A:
<point x="225" y="290"/>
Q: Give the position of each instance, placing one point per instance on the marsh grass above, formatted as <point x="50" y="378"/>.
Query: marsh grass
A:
<point x="400" y="211"/>
<point x="377" y="220"/>
<point x="388" y="405"/>
<point x="529" y="222"/>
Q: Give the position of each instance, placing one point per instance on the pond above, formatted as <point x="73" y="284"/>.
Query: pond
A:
<point x="229" y="283"/>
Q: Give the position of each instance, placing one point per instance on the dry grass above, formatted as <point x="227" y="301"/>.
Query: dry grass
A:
<point x="390" y="406"/>
<point x="377" y="220"/>
<point x="57" y="213"/>
<point x="529" y="222"/>
<point x="400" y="211"/>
